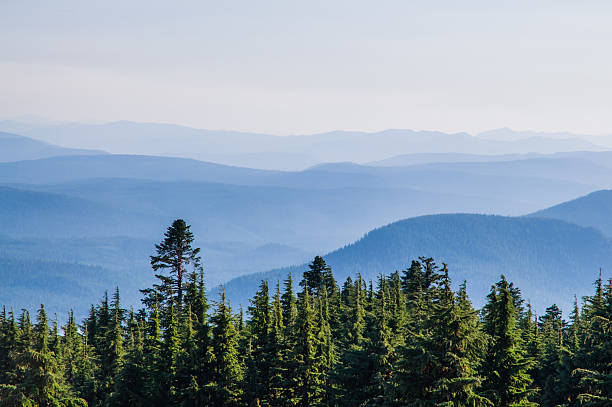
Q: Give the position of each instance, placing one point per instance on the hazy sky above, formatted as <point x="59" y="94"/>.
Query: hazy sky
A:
<point x="298" y="67"/>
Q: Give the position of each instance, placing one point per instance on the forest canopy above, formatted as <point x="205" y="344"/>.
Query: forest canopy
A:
<point x="406" y="339"/>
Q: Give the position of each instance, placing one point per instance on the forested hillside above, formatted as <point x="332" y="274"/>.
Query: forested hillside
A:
<point x="592" y="210"/>
<point x="405" y="339"/>
<point x="550" y="259"/>
<point x="252" y="221"/>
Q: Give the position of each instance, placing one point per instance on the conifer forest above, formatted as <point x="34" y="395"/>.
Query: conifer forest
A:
<point x="407" y="339"/>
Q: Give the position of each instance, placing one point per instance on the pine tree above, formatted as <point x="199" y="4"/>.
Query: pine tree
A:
<point x="318" y="275"/>
<point x="173" y="254"/>
<point x="351" y="374"/>
<point x="325" y="352"/>
<point x="226" y="370"/>
<point x="307" y="383"/>
<point x="397" y="306"/>
<point x="277" y="352"/>
<point x="71" y="349"/>
<point x="438" y="362"/>
<point x="202" y="359"/>
<point x="505" y="368"/>
<point x="8" y="345"/>
<point x="594" y="367"/>
<point x="85" y="380"/>
<point x="111" y="356"/>
<point x="171" y="354"/>
<point x="132" y="380"/>
<point x="153" y="346"/>
<point x="551" y="328"/>
<point x="259" y="327"/>
<point x="379" y="347"/>
<point x="289" y="307"/>
<point x="40" y="380"/>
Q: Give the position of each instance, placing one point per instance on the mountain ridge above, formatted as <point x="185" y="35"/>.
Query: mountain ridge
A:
<point x="14" y="147"/>
<point x="307" y="149"/>
<point x="592" y="210"/>
<point x="529" y="251"/>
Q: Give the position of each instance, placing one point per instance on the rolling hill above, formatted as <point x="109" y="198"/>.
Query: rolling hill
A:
<point x="27" y="213"/>
<point x="228" y="218"/>
<point x="18" y="148"/>
<point x="550" y="260"/>
<point x="525" y="185"/>
<point x="593" y="210"/>
<point x="65" y="169"/>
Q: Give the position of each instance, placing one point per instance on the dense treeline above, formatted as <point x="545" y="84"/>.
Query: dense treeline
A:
<point x="407" y="339"/>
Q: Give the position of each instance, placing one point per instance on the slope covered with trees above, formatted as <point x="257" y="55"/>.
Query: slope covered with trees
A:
<point x="406" y="339"/>
<point x="592" y="210"/>
<point x="550" y="259"/>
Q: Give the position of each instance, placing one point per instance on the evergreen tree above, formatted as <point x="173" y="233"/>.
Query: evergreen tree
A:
<point x="594" y="360"/>
<point x="40" y="380"/>
<point x="259" y="326"/>
<point x="277" y="352"/>
<point x="319" y="275"/>
<point x="132" y="380"/>
<point x="289" y="305"/>
<point x="307" y="384"/>
<point x="8" y="346"/>
<point x="111" y="356"/>
<point x="171" y="354"/>
<point x="153" y="346"/>
<point x="226" y="370"/>
<point x="173" y="254"/>
<point x="412" y="341"/>
<point x="351" y="374"/>
<point x="438" y="362"/>
<point x="507" y="382"/>
<point x="379" y="348"/>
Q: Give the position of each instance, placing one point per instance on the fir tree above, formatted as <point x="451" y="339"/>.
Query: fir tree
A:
<point x="226" y="370"/>
<point x="438" y="363"/>
<point x="307" y="383"/>
<point x="40" y="380"/>
<point x="318" y="275"/>
<point x="277" y="351"/>
<point x="594" y="366"/>
<point x="132" y="380"/>
<point x="259" y="326"/>
<point x="507" y="382"/>
<point x="173" y="254"/>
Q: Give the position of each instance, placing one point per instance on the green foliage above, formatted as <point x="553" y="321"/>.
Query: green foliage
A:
<point x="410" y="341"/>
<point x="505" y="368"/>
<point x="173" y="254"/>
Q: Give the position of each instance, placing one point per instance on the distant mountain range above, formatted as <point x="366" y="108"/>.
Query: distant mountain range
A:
<point x="599" y="157"/>
<point x="69" y="217"/>
<point x="549" y="259"/>
<point x="507" y="134"/>
<point x="14" y="147"/>
<point x="266" y="151"/>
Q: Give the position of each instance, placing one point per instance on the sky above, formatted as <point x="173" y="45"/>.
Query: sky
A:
<point x="288" y="67"/>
